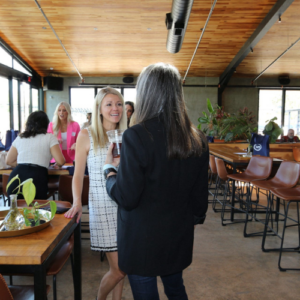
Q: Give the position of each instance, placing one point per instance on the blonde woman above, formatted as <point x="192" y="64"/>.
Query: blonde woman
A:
<point x="91" y="148"/>
<point x="65" y="129"/>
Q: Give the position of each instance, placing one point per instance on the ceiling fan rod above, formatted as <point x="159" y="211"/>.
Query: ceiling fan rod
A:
<point x="202" y="33"/>
<point x="273" y="62"/>
<point x="58" y="39"/>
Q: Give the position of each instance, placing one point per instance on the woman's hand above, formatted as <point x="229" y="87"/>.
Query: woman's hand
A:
<point x="73" y="147"/>
<point x="115" y="161"/>
<point x="74" y="210"/>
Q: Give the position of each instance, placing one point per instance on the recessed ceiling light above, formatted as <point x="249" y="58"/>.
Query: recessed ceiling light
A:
<point x="149" y="29"/>
<point x="51" y="68"/>
<point x="44" y="27"/>
<point x="95" y="28"/>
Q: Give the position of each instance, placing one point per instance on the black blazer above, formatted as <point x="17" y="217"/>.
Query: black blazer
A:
<point x="159" y="201"/>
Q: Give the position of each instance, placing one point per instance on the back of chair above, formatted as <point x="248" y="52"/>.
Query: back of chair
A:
<point x="222" y="172"/>
<point x="212" y="164"/>
<point x="260" y="167"/>
<point x="4" y="183"/>
<point x="4" y="290"/>
<point x="65" y="189"/>
<point x="287" y="174"/>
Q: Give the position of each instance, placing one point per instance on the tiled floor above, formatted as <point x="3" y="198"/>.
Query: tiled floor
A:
<point x="226" y="266"/>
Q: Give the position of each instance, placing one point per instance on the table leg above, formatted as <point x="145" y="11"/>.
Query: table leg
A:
<point x="40" y="292"/>
<point x="77" y="262"/>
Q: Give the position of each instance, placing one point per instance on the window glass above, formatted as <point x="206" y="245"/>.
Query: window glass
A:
<point x="292" y="112"/>
<point x="35" y="100"/>
<point x="25" y="102"/>
<point x="130" y="94"/>
<point x="270" y="106"/>
<point x="82" y="100"/>
<point x="4" y="108"/>
<point x="20" y="68"/>
<point x="15" y="104"/>
<point x="5" y="58"/>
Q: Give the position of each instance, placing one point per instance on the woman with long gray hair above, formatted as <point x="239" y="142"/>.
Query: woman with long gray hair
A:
<point x="160" y="187"/>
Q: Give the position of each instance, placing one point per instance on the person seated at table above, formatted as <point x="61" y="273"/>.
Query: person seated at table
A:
<point x="31" y="153"/>
<point x="89" y="121"/>
<point x="129" y="106"/>
<point x="290" y="137"/>
<point x="66" y="130"/>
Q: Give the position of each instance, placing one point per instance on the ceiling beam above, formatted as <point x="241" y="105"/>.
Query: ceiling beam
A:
<point x="270" y="19"/>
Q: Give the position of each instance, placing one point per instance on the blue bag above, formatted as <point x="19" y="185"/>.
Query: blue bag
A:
<point x="260" y="144"/>
<point x="10" y="137"/>
<point x="2" y="147"/>
<point x="210" y="139"/>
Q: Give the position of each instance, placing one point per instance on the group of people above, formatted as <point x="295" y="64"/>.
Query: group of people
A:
<point x="143" y="206"/>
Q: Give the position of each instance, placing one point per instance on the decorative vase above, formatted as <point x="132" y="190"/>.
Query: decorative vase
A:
<point x="14" y="220"/>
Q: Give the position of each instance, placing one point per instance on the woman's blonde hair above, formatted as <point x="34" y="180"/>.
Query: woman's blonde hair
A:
<point x="97" y="131"/>
<point x="56" y="121"/>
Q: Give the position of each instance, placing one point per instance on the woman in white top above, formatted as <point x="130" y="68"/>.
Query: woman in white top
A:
<point x="31" y="153"/>
<point x="91" y="148"/>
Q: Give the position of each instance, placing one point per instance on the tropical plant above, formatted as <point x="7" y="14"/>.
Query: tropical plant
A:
<point x="28" y="192"/>
<point x="240" y="126"/>
<point x="273" y="130"/>
<point x="213" y="120"/>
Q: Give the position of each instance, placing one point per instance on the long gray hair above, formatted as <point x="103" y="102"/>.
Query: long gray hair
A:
<point x="160" y="94"/>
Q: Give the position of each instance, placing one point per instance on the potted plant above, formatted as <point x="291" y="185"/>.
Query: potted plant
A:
<point x="213" y="120"/>
<point x="240" y="126"/>
<point x="15" y="220"/>
<point x="273" y="130"/>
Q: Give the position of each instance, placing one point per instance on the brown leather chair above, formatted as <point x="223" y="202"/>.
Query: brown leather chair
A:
<point x="222" y="177"/>
<point x="17" y="292"/>
<point x="53" y="184"/>
<point x="213" y="176"/>
<point x="63" y="254"/>
<point x="259" y="168"/>
<point x="288" y="196"/>
<point x="287" y="176"/>
<point x="4" y="184"/>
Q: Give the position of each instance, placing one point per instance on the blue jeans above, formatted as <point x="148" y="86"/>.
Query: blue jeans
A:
<point x="145" y="288"/>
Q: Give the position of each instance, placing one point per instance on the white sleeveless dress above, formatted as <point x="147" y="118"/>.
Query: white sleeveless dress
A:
<point x="102" y="210"/>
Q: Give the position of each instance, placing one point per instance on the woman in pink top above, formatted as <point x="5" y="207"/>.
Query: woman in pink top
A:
<point x="65" y="129"/>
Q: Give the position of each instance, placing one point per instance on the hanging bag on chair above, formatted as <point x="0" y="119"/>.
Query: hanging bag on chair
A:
<point x="260" y="144"/>
<point x="10" y="137"/>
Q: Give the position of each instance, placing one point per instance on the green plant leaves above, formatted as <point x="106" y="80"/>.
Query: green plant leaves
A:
<point x="28" y="191"/>
<point x="269" y="126"/>
<point x="53" y="208"/>
<point x="11" y="181"/>
<point x="209" y="106"/>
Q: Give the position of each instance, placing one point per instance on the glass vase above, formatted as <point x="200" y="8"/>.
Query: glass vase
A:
<point x="14" y="220"/>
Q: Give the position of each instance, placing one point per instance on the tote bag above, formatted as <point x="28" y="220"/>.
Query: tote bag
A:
<point x="260" y="144"/>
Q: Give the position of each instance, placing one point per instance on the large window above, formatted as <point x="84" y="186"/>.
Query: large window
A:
<point x="278" y="103"/>
<point x="4" y="108"/>
<point x="20" y="68"/>
<point x="82" y="100"/>
<point x="5" y="58"/>
<point x="25" y="103"/>
<point x="16" y="105"/>
<point x="270" y="106"/>
<point x="35" y="100"/>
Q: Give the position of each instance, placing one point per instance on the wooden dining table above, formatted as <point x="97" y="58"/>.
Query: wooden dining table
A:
<point x="33" y="253"/>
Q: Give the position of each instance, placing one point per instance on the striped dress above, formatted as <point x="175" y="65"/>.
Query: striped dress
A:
<point x="102" y="210"/>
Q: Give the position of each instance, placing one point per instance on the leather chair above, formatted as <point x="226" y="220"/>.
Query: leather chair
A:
<point x="213" y="176"/>
<point x="4" y="184"/>
<point x="17" y="292"/>
<point x="259" y="168"/>
<point x="287" y="176"/>
<point x="53" y="184"/>
<point x="288" y="196"/>
<point x="63" y="254"/>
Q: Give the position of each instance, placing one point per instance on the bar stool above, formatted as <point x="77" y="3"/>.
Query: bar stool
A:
<point x="222" y="177"/>
<point x="287" y="176"/>
<point x="214" y="176"/>
<point x="259" y="168"/>
<point x="288" y="195"/>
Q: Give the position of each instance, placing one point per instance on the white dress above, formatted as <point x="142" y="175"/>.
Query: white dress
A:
<point x="102" y="210"/>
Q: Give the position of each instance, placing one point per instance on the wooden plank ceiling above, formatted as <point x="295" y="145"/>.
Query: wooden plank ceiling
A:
<point x="275" y="42"/>
<point x="118" y="38"/>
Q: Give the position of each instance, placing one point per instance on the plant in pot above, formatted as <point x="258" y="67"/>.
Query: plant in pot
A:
<point x="15" y="220"/>
<point x="213" y="120"/>
<point x="239" y="126"/>
<point x="273" y="130"/>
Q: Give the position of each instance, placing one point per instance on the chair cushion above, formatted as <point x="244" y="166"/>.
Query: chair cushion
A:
<point x="287" y="194"/>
